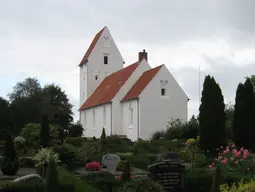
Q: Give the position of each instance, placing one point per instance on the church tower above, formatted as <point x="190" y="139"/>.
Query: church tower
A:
<point x="101" y="59"/>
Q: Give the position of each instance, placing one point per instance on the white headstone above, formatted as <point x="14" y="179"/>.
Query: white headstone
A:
<point x="110" y="161"/>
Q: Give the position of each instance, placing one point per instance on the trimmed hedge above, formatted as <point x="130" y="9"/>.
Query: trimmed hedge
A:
<point x="76" y="141"/>
<point x="139" y="161"/>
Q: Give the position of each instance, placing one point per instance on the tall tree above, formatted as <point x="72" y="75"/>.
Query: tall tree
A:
<point x="5" y="118"/>
<point x="25" y="89"/>
<point x="25" y="103"/>
<point x="75" y="130"/>
<point x="244" y="116"/>
<point x="29" y="101"/>
<point x="58" y="105"/>
<point x="212" y="116"/>
<point x="45" y="132"/>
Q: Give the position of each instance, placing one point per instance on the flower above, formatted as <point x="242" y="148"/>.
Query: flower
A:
<point x="210" y="166"/>
<point x="93" y="166"/>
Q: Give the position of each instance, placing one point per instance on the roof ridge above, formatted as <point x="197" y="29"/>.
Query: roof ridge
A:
<point x="92" y="46"/>
<point x="141" y="83"/>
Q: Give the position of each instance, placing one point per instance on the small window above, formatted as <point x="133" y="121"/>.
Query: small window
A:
<point x="105" y="60"/>
<point x="163" y="92"/>
<point x="96" y="77"/>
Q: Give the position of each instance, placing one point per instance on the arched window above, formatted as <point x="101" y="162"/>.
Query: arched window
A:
<point x="131" y="116"/>
<point x="104" y="117"/>
<point x="94" y="119"/>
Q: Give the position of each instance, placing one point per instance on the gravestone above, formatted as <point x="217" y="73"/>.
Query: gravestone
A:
<point x="169" y="173"/>
<point x="110" y="161"/>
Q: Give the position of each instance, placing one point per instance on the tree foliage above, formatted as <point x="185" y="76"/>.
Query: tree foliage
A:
<point x="244" y="116"/>
<point x="75" y="130"/>
<point x="5" y="118"/>
<point x="212" y="116"/>
<point x="29" y="101"/>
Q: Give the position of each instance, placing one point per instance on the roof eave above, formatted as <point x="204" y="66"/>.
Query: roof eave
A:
<point x="126" y="100"/>
<point x="109" y="102"/>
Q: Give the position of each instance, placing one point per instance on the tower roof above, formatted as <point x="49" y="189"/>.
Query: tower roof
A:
<point x="109" y="87"/>
<point x="91" y="47"/>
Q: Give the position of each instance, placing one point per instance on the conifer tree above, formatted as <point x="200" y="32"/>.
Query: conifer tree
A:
<point x="51" y="180"/>
<point x="217" y="180"/>
<point x="9" y="149"/>
<point x="103" y="141"/>
<point x="126" y="172"/>
<point x="44" y="132"/>
<point x="244" y="116"/>
<point x="212" y="116"/>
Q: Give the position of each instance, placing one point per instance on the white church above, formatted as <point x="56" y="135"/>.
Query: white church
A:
<point x="131" y="102"/>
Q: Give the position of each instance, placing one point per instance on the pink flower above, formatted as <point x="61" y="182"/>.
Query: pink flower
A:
<point x="224" y="162"/>
<point x="244" y="157"/>
<point x="213" y="163"/>
<point x="234" y="151"/>
<point x="238" y="154"/>
<point x="225" y="152"/>
<point x="236" y="162"/>
<point x="220" y="157"/>
<point x="232" y="158"/>
<point x="233" y="145"/>
<point x="210" y="166"/>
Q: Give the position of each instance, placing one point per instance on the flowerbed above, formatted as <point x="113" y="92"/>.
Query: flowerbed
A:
<point x="235" y="160"/>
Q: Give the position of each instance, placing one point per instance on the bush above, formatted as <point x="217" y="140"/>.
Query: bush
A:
<point x="115" y="144"/>
<point x="76" y="141"/>
<point x="43" y="158"/>
<point x="102" y="180"/>
<point x="70" y="183"/>
<point x="158" y="135"/>
<point x="90" y="151"/>
<point x="10" y="164"/>
<point x="31" y="134"/>
<point x="144" y="147"/>
<point x="241" y="187"/>
<point x="120" y="166"/>
<point x="68" y="156"/>
<point x="166" y="145"/>
<point x="140" y="161"/>
<point x="142" y="184"/>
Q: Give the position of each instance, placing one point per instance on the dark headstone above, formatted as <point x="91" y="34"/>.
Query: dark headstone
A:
<point x="110" y="161"/>
<point x="169" y="173"/>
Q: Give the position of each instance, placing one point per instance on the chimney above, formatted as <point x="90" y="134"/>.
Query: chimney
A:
<point x="143" y="55"/>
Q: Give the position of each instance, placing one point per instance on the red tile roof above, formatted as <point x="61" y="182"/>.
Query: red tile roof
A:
<point x="141" y="83"/>
<point x="109" y="87"/>
<point x="91" y="47"/>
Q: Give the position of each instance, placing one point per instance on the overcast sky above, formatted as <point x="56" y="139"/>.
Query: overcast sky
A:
<point x="48" y="38"/>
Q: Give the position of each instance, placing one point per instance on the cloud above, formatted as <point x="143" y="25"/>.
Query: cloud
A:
<point x="46" y="39"/>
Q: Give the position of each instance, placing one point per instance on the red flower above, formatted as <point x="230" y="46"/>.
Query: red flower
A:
<point x="93" y="166"/>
